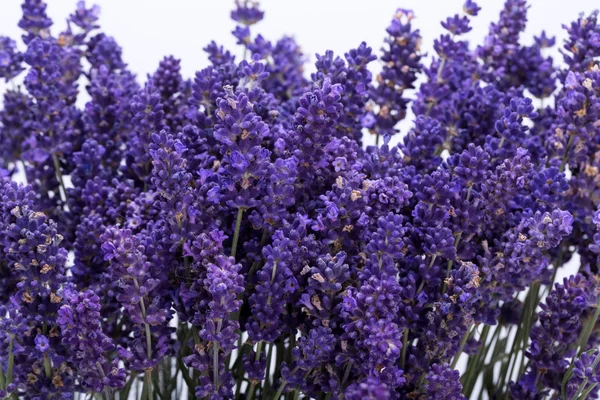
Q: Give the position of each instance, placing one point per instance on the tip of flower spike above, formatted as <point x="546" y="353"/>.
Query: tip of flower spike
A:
<point x="404" y="13"/>
<point x="247" y="12"/>
<point x="471" y="8"/>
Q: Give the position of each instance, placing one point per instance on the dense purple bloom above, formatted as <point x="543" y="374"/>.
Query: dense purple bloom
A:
<point x="141" y="294"/>
<point x="560" y="321"/>
<point x="246" y="162"/>
<point x="583" y="44"/>
<point x="443" y="383"/>
<point x="79" y="320"/>
<point x="231" y="236"/>
<point x="14" y="117"/>
<point x="35" y="21"/>
<point x="10" y="59"/>
<point x="314" y="128"/>
<point x="402" y="57"/>
<point x="104" y="50"/>
<point x="247" y="12"/>
<point x="586" y="367"/>
<point x="471" y="8"/>
<point x="148" y="115"/>
<point x="85" y="18"/>
<point x="370" y="388"/>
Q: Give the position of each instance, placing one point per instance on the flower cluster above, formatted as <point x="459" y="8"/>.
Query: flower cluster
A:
<point x="230" y="236"/>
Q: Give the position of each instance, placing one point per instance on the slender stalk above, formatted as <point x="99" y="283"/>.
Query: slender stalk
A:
<point x="456" y="243"/>
<point x="11" y="360"/>
<point x="237" y="367"/>
<point x="107" y="392"/>
<point x="47" y="361"/>
<point x="236" y="233"/>
<point x="255" y="264"/>
<point x="488" y="373"/>
<point x="588" y="328"/>
<point x="251" y="389"/>
<point x="146" y="325"/>
<point x="59" y="176"/>
<point x="250" y="393"/>
<point x="586" y="392"/>
<point x="47" y="366"/>
<point x="580" y="389"/>
<point x="522" y="334"/>
<point x="279" y="391"/>
<point x="282" y="386"/>
<point x="566" y="156"/>
<point x="404" y="346"/>
<point x="147" y="388"/>
<point x="124" y="393"/>
<point x="216" y="359"/>
<point x="461" y="347"/>
<point x="186" y="376"/>
<point x="346" y="375"/>
<point x="474" y="369"/>
<point x="267" y="385"/>
<point x="166" y="377"/>
<point x="148" y="383"/>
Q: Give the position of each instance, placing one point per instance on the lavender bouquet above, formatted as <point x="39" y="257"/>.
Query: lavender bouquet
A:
<point x="230" y="237"/>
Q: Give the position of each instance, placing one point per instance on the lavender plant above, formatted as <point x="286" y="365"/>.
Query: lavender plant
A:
<point x="230" y="236"/>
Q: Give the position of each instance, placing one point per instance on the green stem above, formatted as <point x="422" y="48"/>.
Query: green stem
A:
<point x="404" y="346"/>
<point x="250" y="394"/>
<point x="346" y="375"/>
<point x="59" y="175"/>
<point x="589" y="327"/>
<point x="47" y="366"/>
<point x="186" y="375"/>
<point x="474" y="367"/>
<point x="236" y="233"/>
<point x="147" y="389"/>
<point x="488" y="373"/>
<point x="216" y="360"/>
<point x="251" y="389"/>
<point x="11" y="360"/>
<point x="282" y="386"/>
<point x="146" y="325"/>
<point x="456" y="243"/>
<point x="267" y="386"/>
<point x="107" y="392"/>
<point x="535" y="289"/>
<point x="586" y="392"/>
<point x="124" y="393"/>
<point x="461" y="347"/>
<point x="255" y="264"/>
<point x="566" y="156"/>
<point x="521" y="336"/>
<point x="47" y="361"/>
<point x="580" y="389"/>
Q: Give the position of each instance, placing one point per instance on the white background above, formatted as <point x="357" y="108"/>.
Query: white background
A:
<point x="150" y="29"/>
